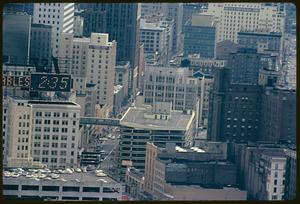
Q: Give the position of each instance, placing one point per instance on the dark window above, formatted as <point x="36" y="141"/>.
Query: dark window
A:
<point x="91" y="189"/>
<point x="71" y="188"/>
<point x="10" y="187"/>
<point x="90" y="198"/>
<point x="104" y="199"/>
<point x="108" y="190"/>
<point x="50" y="188"/>
<point x="30" y="188"/>
<point x="70" y="198"/>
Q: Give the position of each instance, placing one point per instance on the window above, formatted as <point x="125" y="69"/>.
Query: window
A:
<point x="50" y="188"/>
<point x="30" y="188"/>
<point x="70" y="189"/>
<point x="275" y="190"/>
<point x="275" y="182"/>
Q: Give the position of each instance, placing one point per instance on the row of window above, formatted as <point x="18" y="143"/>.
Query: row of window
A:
<point x="55" y="114"/>
<point x="56" y="188"/>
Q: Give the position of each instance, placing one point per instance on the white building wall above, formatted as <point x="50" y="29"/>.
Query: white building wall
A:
<point x="234" y="17"/>
<point x="55" y="134"/>
<point x="59" y="15"/>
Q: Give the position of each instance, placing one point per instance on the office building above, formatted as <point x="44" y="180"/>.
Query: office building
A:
<point x="199" y="36"/>
<point x="122" y="75"/>
<point x="16" y="37"/>
<point x="278" y="116"/>
<point x="40" y="44"/>
<point x="175" y="167"/>
<point x="118" y="99"/>
<point x="205" y="86"/>
<point x="166" y="11"/>
<point x="18" y="8"/>
<point x="46" y="185"/>
<point x="235" y="17"/>
<point x="236" y="110"/>
<point x="262" y="170"/>
<point x="5" y="136"/>
<point x="244" y="65"/>
<point x="78" y="26"/>
<point x="166" y="84"/>
<point x="134" y="184"/>
<point x="190" y="9"/>
<point x="141" y="68"/>
<point x="224" y="48"/>
<point x="93" y="62"/>
<point x="290" y="175"/>
<point x="158" y="124"/>
<point x="59" y="15"/>
<point x="264" y="42"/>
<point x="123" y="27"/>
<point x="54" y="146"/>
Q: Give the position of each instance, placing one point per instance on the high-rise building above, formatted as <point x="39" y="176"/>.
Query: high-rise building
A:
<point x="121" y="22"/>
<point x="158" y="124"/>
<point x="174" y="168"/>
<point x="200" y="36"/>
<point x="43" y="132"/>
<point x="16" y="37"/>
<point x="290" y="175"/>
<point x="235" y="17"/>
<point x="93" y="61"/>
<point x="261" y="170"/>
<point x="122" y="76"/>
<point x="166" y="84"/>
<point x="278" y="115"/>
<point x="235" y="110"/>
<point x="40" y="44"/>
<point x="59" y="15"/>
<point x="18" y="7"/>
<point x="244" y="65"/>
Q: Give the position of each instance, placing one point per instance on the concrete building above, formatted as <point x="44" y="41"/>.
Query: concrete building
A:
<point x="55" y="133"/>
<point x="141" y="68"/>
<point x="193" y="193"/>
<point x="278" y="116"/>
<point x="235" y="17"/>
<point x="5" y="136"/>
<point x="224" y="48"/>
<point x="154" y="38"/>
<point x="78" y="26"/>
<point x="118" y="99"/>
<point x="40" y="43"/>
<point x="158" y="124"/>
<point x="122" y="76"/>
<point x="205" y="86"/>
<point x="59" y="15"/>
<point x="200" y="36"/>
<point x="236" y="110"/>
<point x="176" y="85"/>
<point x="188" y="10"/>
<point x="134" y="184"/>
<point x="16" y="37"/>
<point x="166" y="11"/>
<point x="290" y="175"/>
<point x="123" y="27"/>
<point x="171" y="168"/>
<point x="86" y="98"/>
<point x="68" y="186"/>
<point x="264" y="42"/>
<point x="261" y="170"/>
<point x="18" y="7"/>
<point x="244" y="65"/>
<point x="38" y="141"/>
<point x="93" y="62"/>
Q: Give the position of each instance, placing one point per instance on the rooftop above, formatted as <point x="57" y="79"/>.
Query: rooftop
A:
<point x="76" y="175"/>
<point x="134" y="117"/>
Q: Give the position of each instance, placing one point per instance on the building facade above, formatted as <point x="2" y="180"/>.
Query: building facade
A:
<point x="16" y="37"/>
<point x="199" y="36"/>
<point x="59" y="15"/>
<point x="40" y="44"/>
<point x="166" y="84"/>
<point x="235" y="17"/>
<point x="159" y="124"/>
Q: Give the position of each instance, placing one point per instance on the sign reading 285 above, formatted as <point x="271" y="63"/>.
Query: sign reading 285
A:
<point x="50" y="82"/>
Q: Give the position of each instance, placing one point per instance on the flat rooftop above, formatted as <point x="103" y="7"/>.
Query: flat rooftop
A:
<point x="134" y="117"/>
<point x="78" y="177"/>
